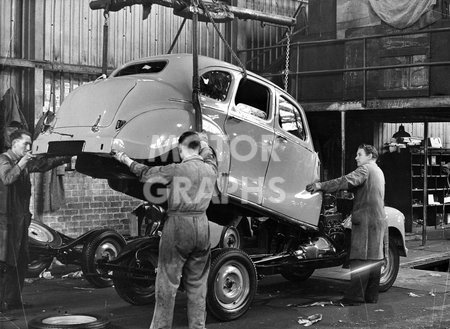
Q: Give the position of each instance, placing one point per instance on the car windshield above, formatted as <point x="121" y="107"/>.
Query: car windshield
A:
<point x="142" y="68"/>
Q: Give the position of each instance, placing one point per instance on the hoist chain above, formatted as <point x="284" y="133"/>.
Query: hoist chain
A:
<point x="288" y="50"/>
<point x="223" y="38"/>
<point x="105" y="41"/>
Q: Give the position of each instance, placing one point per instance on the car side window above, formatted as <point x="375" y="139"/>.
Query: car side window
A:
<point x="253" y="98"/>
<point x="215" y="84"/>
<point x="291" y="119"/>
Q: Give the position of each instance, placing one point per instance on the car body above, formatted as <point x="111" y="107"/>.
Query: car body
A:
<point x="258" y="131"/>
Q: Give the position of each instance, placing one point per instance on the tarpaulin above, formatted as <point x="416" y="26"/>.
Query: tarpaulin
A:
<point x="401" y="13"/>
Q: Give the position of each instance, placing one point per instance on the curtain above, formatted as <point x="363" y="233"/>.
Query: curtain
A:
<point x="401" y="13"/>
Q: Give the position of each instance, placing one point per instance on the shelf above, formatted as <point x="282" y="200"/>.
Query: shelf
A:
<point x="429" y="189"/>
<point x="431" y="205"/>
<point x="429" y="176"/>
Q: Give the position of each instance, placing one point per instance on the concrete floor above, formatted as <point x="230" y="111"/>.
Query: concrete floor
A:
<point x="419" y="299"/>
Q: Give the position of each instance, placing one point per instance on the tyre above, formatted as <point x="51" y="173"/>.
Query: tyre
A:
<point x="230" y="238"/>
<point x="232" y="284"/>
<point x="296" y="275"/>
<point x="104" y="244"/>
<point x="37" y="265"/>
<point x="42" y="235"/>
<point x="389" y="269"/>
<point x="137" y="288"/>
<point x="69" y="321"/>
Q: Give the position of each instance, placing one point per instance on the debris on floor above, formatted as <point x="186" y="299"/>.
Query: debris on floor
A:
<point x="322" y="304"/>
<point x="411" y="294"/>
<point x="30" y="280"/>
<point x="306" y="322"/>
<point x="46" y="275"/>
<point x="73" y="275"/>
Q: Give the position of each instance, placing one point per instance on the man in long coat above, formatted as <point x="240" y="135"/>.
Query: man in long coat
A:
<point x="184" y="249"/>
<point x="15" y="191"/>
<point x="369" y="226"/>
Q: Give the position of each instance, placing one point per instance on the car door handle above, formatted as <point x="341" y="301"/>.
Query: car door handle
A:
<point x="281" y="139"/>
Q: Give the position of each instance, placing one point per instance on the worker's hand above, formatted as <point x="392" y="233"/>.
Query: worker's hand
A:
<point x="313" y="187"/>
<point x="120" y="156"/>
<point x="203" y="139"/>
<point x="25" y="159"/>
<point x="203" y="136"/>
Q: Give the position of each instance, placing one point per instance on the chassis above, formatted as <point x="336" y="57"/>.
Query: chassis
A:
<point x="257" y="247"/>
<point x="45" y="244"/>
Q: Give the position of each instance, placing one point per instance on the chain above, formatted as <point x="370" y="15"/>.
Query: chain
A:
<point x="106" y="14"/>
<point x="223" y="38"/>
<point x="105" y="41"/>
<point x="288" y="49"/>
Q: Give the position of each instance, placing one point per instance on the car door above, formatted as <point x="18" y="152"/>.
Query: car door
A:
<point x="249" y="126"/>
<point x="293" y="164"/>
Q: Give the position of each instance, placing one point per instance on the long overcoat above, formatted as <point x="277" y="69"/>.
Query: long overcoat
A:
<point x="15" y="192"/>
<point x="369" y="224"/>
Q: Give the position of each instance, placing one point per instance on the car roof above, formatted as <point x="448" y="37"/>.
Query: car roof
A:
<point x="181" y="61"/>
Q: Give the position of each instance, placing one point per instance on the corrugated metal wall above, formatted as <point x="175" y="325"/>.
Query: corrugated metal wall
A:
<point x="75" y="34"/>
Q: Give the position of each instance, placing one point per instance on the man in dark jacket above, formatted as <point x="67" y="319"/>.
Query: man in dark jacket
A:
<point x="15" y="192"/>
<point x="184" y="250"/>
<point x="369" y="237"/>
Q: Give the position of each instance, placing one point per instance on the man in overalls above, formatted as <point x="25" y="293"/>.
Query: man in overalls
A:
<point x="15" y="191"/>
<point x="369" y="239"/>
<point x="184" y="250"/>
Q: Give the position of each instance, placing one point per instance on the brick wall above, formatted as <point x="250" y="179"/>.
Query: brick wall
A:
<point x="89" y="203"/>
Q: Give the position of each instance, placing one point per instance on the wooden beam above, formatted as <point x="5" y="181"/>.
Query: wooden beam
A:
<point x="379" y="104"/>
<point x="48" y="66"/>
<point x="241" y="13"/>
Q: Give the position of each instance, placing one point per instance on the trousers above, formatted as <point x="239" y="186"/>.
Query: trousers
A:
<point x="364" y="281"/>
<point x="12" y="280"/>
<point x="184" y="254"/>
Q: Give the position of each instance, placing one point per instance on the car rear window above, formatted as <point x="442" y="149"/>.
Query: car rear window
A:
<point x="143" y="68"/>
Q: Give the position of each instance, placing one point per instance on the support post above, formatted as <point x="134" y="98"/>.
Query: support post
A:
<point x="343" y="143"/>
<point x="425" y="183"/>
<point x="195" y="78"/>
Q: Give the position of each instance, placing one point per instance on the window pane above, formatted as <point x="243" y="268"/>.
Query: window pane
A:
<point x="215" y="84"/>
<point x="255" y="97"/>
<point x="143" y="68"/>
<point x="290" y="118"/>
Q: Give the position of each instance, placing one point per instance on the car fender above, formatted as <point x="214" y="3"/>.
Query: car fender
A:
<point x="396" y="224"/>
<point x="148" y="137"/>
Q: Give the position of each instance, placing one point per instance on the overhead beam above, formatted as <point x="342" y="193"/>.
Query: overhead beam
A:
<point x="48" y="66"/>
<point x="241" y="13"/>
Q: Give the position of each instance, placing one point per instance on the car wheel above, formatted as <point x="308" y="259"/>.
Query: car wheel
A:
<point x="230" y="238"/>
<point x="42" y="235"/>
<point x="389" y="269"/>
<point x="296" y="275"/>
<point x="137" y="286"/>
<point x="36" y="266"/>
<point x="232" y="284"/>
<point x="104" y="244"/>
<point x="69" y="321"/>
